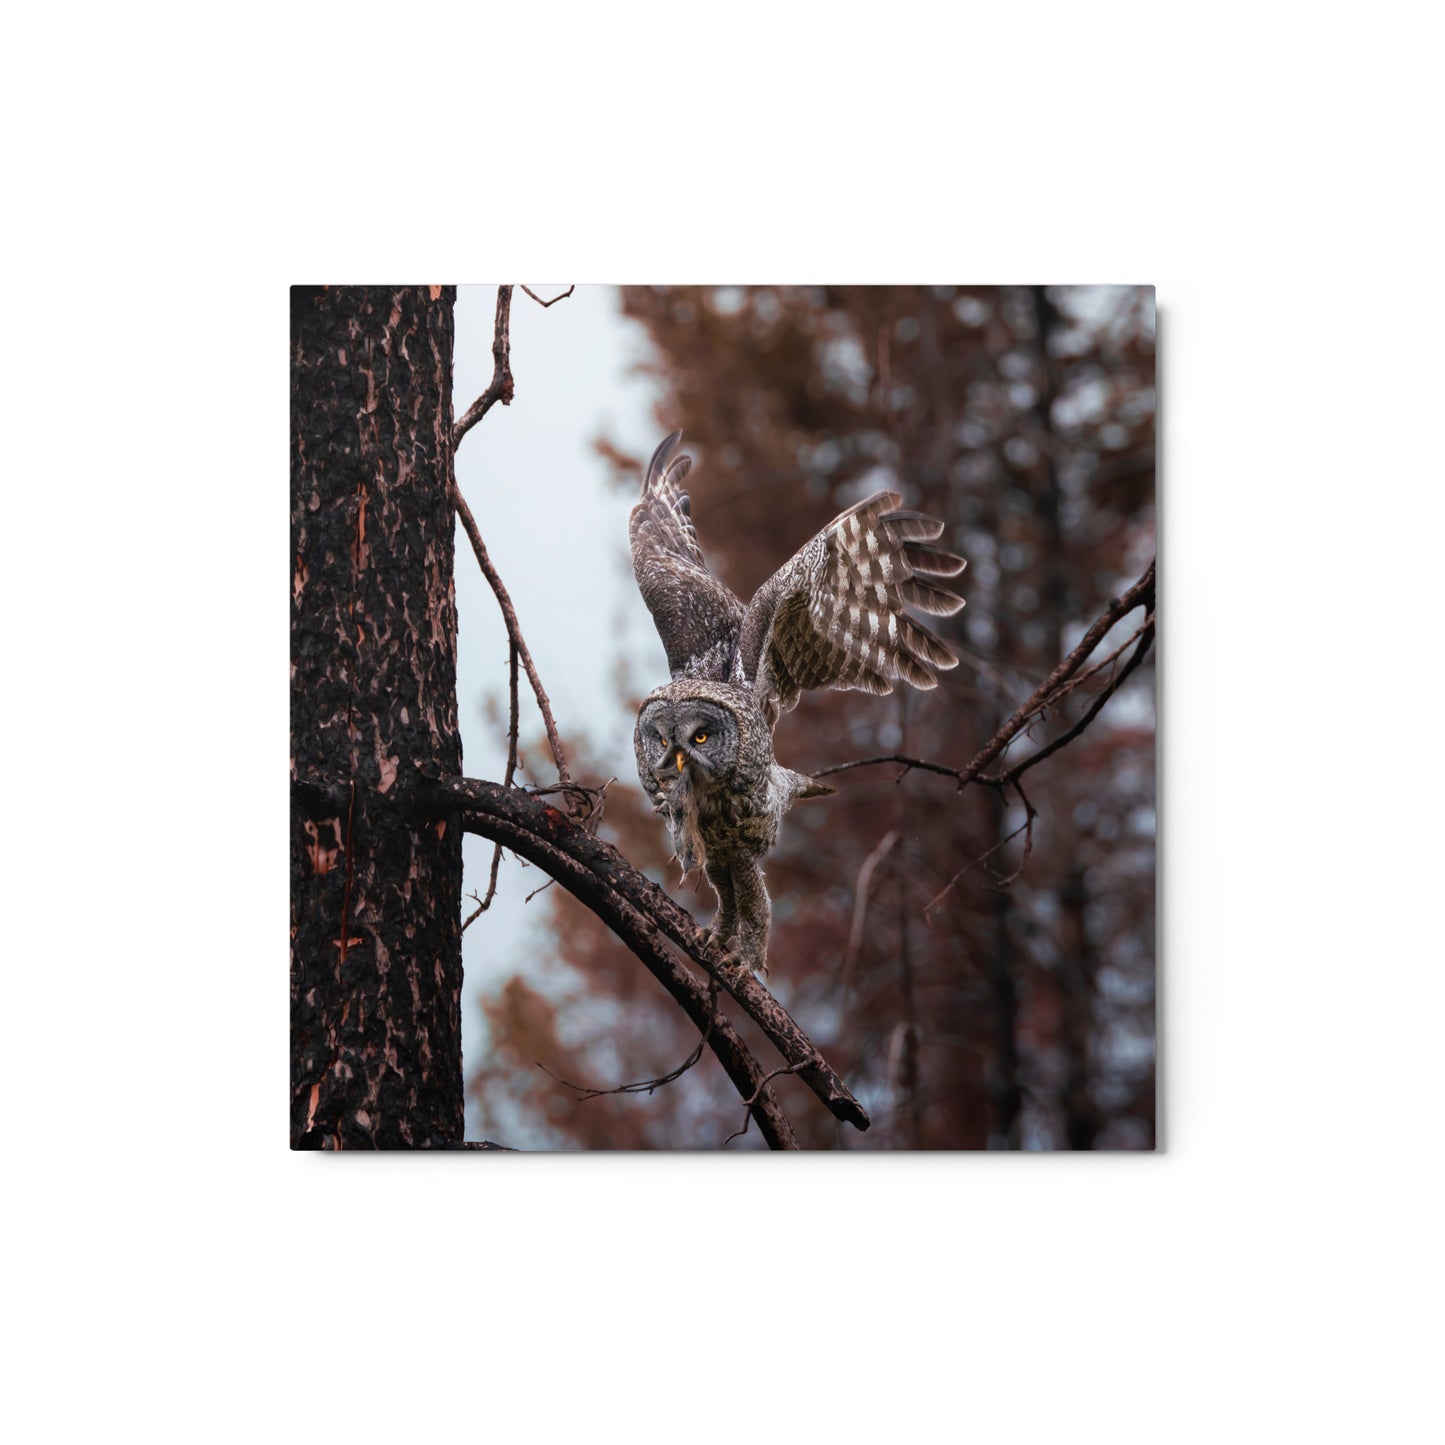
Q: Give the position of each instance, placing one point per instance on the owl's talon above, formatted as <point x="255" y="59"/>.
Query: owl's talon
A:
<point x="738" y="963"/>
<point x="735" y="967"/>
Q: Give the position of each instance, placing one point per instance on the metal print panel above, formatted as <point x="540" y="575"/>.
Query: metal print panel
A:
<point x="723" y="717"/>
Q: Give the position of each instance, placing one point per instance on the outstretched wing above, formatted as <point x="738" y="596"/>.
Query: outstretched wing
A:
<point x="833" y="616"/>
<point x="698" y="618"/>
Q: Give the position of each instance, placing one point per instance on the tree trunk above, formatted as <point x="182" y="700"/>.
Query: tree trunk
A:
<point x="376" y="961"/>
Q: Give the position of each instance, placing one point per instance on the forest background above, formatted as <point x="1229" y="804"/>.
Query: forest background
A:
<point x="1013" y="1007"/>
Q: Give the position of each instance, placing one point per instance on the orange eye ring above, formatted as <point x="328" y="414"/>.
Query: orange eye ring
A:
<point x="699" y="739"/>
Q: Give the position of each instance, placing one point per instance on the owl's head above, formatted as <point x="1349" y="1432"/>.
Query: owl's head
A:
<point x="692" y="736"/>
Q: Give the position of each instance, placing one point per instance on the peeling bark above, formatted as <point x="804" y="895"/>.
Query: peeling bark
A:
<point x="376" y="964"/>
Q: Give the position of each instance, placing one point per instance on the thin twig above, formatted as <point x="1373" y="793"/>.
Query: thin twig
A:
<point x="500" y="389"/>
<point x="485" y="903"/>
<point x="815" y="1058"/>
<point x="1146" y="637"/>
<point x="648" y="1086"/>
<point x="514" y="631"/>
<point x="585" y="805"/>
<point x="1003" y="883"/>
<point x="545" y="304"/>
<point x="969" y="867"/>
<point x="1142" y="592"/>
<point x="1064" y="678"/>
<point x="908" y="764"/>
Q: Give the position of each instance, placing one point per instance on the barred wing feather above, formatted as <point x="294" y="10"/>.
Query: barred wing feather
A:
<point x="833" y="616"/>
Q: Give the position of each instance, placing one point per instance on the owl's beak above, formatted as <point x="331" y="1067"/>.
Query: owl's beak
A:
<point x="679" y="760"/>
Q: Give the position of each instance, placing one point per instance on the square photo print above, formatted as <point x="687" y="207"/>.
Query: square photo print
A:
<point x="723" y="717"/>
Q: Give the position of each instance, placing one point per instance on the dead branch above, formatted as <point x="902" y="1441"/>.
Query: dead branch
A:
<point x="1064" y="678"/>
<point x="545" y="304"/>
<point x="641" y="915"/>
<point x="514" y="631"/>
<point x="584" y="804"/>
<point x="1057" y="684"/>
<point x="1006" y="881"/>
<point x="500" y="389"/>
<point x="485" y="903"/>
<point x="1146" y="637"/>
<point x="649" y="1086"/>
<point x="1026" y="828"/>
<point x="768" y="1079"/>
<point x="589" y="869"/>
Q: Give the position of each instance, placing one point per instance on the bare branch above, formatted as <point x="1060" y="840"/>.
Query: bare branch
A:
<point x="776" y="1073"/>
<point x="599" y="876"/>
<point x="514" y="631"/>
<point x="1053" y="687"/>
<point x="1146" y="637"/>
<point x="908" y="765"/>
<point x="649" y="1086"/>
<point x="584" y="804"/>
<point x="500" y="389"/>
<point x="484" y="903"/>
<point x="1030" y="813"/>
<point x="641" y="915"/>
<point x="512" y="729"/>
<point x="1064" y="678"/>
<point x="545" y="304"/>
<point x="1026" y="828"/>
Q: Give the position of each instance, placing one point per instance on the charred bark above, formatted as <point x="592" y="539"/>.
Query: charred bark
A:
<point x="376" y="964"/>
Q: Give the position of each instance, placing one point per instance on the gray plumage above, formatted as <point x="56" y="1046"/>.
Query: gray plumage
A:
<point x="832" y="616"/>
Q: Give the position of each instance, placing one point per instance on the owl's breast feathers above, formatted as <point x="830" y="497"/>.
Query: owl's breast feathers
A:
<point x="735" y="814"/>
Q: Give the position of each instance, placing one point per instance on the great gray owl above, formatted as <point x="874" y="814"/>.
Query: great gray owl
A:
<point x="832" y="616"/>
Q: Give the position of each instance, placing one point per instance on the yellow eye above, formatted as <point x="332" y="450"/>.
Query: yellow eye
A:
<point x="699" y="738"/>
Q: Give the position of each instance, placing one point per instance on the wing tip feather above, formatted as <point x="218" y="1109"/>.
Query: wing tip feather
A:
<point x="658" y="467"/>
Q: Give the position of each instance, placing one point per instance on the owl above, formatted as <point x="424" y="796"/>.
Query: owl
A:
<point x="831" y="616"/>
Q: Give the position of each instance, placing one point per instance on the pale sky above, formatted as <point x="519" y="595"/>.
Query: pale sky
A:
<point x="557" y="532"/>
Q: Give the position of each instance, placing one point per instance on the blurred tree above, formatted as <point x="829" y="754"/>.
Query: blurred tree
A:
<point x="1013" y="1009"/>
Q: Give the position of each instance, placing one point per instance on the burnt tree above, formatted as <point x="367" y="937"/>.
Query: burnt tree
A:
<point x="376" y="959"/>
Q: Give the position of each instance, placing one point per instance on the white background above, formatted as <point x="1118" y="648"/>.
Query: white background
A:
<point x="173" y="1273"/>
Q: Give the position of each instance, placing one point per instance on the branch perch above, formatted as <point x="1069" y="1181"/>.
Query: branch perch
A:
<point x="642" y="916"/>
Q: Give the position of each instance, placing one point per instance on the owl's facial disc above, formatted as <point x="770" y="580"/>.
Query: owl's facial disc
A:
<point x="693" y="736"/>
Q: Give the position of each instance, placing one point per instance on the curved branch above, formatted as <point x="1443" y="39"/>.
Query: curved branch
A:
<point x="545" y="304"/>
<point x="643" y="916"/>
<point x="541" y="834"/>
